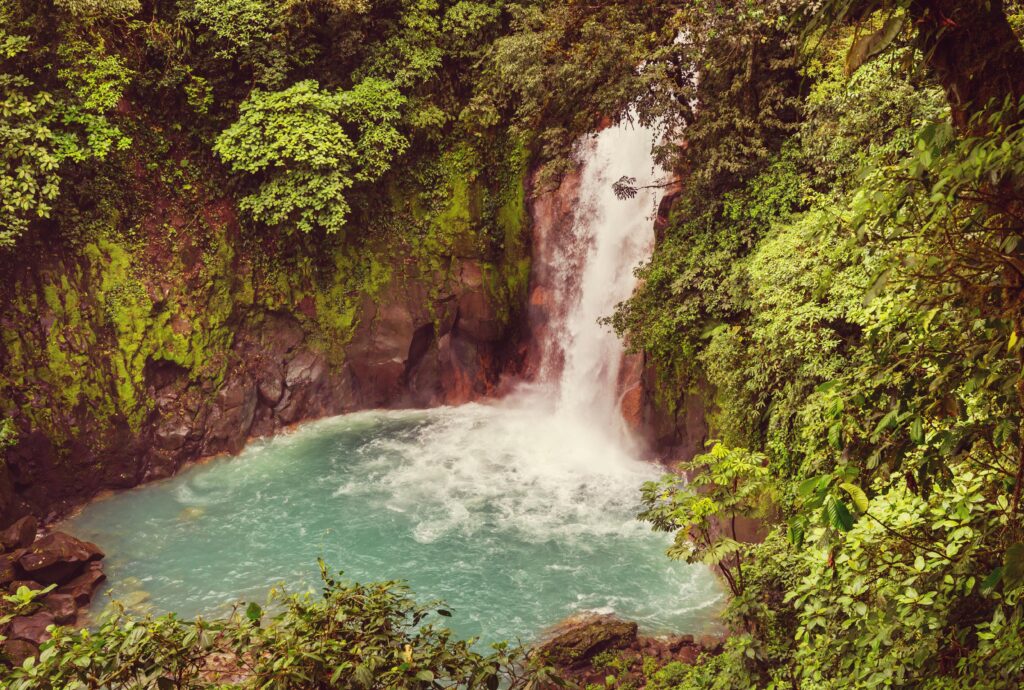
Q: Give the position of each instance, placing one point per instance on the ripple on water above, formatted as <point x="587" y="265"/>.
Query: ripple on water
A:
<point x="517" y="519"/>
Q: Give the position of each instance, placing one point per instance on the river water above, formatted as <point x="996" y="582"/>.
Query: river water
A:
<point x="516" y="512"/>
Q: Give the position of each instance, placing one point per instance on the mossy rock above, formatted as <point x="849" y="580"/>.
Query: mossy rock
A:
<point x="574" y="642"/>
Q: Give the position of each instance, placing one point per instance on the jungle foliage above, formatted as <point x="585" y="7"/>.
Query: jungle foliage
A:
<point x="843" y="267"/>
<point x="851" y="292"/>
<point x="347" y="636"/>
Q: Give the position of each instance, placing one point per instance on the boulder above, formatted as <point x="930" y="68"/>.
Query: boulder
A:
<point x="231" y="418"/>
<point x="270" y="385"/>
<point x="57" y="558"/>
<point x="305" y="368"/>
<point x="62" y="606"/>
<point x="172" y="433"/>
<point x="82" y="587"/>
<point x="19" y="650"/>
<point x="31" y="628"/>
<point x="9" y="566"/>
<point x="19" y="535"/>
<point x="31" y="584"/>
<point x="573" y="643"/>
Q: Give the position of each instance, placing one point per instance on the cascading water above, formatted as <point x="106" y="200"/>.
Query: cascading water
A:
<point x="594" y="267"/>
<point x="517" y="513"/>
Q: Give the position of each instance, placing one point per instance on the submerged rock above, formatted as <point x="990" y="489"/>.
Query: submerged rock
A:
<point x="135" y="599"/>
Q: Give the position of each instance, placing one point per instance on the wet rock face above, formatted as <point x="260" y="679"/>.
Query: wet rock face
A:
<point x="68" y="567"/>
<point x="579" y="647"/>
<point x="673" y="423"/>
<point x="412" y="345"/>
<point x="553" y="216"/>
<point x="575" y="642"/>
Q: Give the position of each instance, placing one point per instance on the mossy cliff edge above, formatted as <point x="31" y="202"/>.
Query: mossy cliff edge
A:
<point x="167" y="331"/>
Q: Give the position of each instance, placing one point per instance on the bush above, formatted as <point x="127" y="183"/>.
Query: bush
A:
<point x="350" y="636"/>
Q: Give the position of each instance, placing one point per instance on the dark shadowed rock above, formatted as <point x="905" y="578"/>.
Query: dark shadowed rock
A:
<point x="18" y="584"/>
<point x="62" y="606"/>
<point x="57" y="558"/>
<point x="9" y="566"/>
<point x="82" y="587"/>
<point x="19" y="650"/>
<point x="22" y="533"/>
<point x="231" y="418"/>
<point x="31" y="628"/>
<point x="577" y="640"/>
<point x="171" y="433"/>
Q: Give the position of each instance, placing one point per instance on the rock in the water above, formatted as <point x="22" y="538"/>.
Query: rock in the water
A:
<point x="31" y="628"/>
<point x="83" y="586"/>
<point x="133" y="600"/>
<point x="58" y="558"/>
<point x="574" y="642"/>
<point x="20" y="534"/>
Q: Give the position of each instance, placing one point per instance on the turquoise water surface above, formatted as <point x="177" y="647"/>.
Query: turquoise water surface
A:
<point x="516" y="517"/>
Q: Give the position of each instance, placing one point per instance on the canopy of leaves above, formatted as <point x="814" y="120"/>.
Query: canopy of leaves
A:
<point x="308" y="146"/>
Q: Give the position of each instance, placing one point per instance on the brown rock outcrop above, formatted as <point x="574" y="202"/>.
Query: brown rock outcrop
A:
<point x="57" y="558"/>
<point x="576" y="646"/>
<point x="20" y="534"/>
<point x="574" y="642"/>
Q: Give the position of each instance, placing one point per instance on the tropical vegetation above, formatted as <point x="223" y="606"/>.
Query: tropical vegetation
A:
<point x="843" y="271"/>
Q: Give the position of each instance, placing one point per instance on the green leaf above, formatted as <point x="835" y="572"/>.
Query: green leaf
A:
<point x="990" y="582"/>
<point x="917" y="431"/>
<point x="797" y="527"/>
<point x="426" y="676"/>
<point x="837" y="515"/>
<point x="362" y="676"/>
<point x="887" y="421"/>
<point x="857" y="496"/>
<point x="877" y="286"/>
<point x="253" y="611"/>
<point x="826" y="386"/>
<point x="809" y="486"/>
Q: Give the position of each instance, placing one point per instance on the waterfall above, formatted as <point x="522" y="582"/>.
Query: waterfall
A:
<point x="589" y="269"/>
<point x="517" y="512"/>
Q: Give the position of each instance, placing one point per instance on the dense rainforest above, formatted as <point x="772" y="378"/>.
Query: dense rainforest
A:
<point x="839" y="277"/>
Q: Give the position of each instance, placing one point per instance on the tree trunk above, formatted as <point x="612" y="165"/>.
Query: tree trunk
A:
<point x="974" y="52"/>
